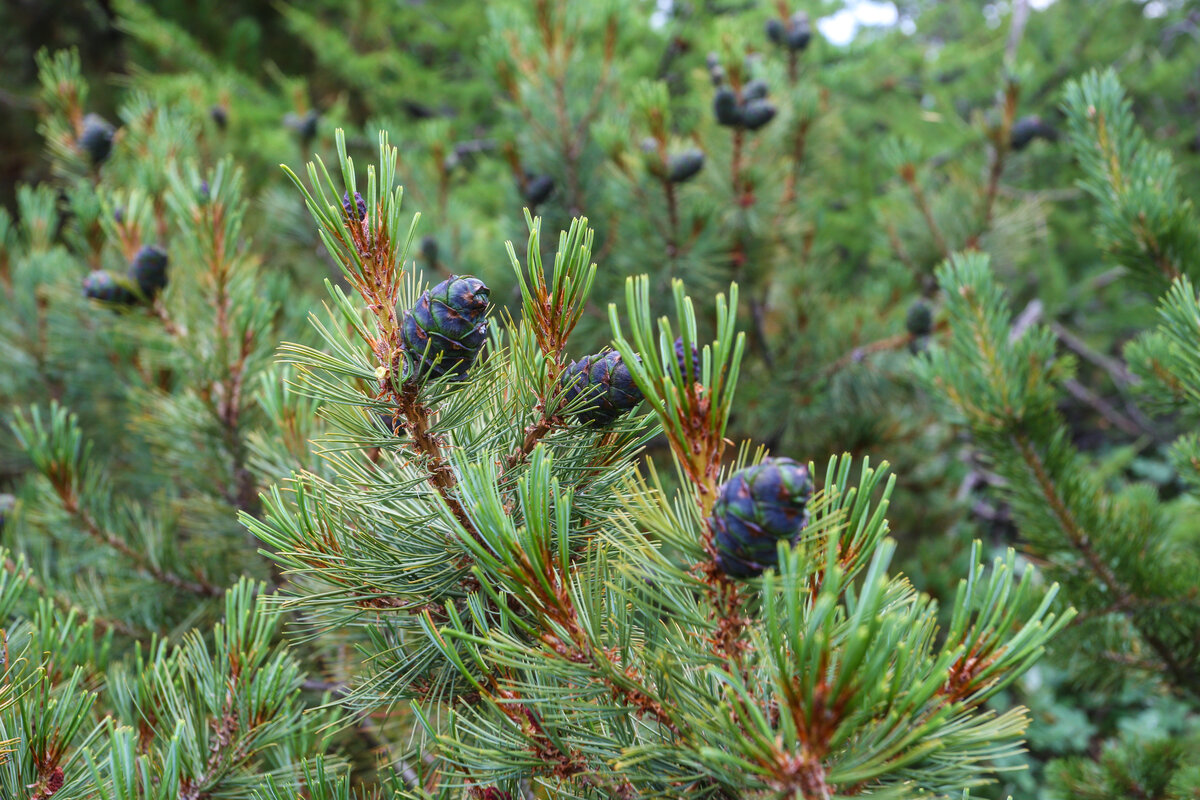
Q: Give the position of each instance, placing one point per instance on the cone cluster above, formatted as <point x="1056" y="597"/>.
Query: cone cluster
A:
<point x="147" y="277"/>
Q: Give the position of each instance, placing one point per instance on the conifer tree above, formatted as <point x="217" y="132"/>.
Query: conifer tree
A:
<point x="143" y="421"/>
<point x="552" y="617"/>
<point x="1125" y="555"/>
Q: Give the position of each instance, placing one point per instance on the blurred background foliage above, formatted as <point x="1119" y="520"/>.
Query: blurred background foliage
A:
<point x="936" y="131"/>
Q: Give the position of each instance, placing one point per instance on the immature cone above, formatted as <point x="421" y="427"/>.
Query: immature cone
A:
<point x="755" y="90"/>
<point x="725" y="108"/>
<point x="108" y="288"/>
<point x="149" y="270"/>
<point x="919" y="320"/>
<point x="1026" y="129"/>
<point x="429" y="249"/>
<point x="220" y="116"/>
<point x="799" y="31"/>
<point x="96" y="138"/>
<point x="685" y="166"/>
<point x="538" y="189"/>
<point x="603" y="382"/>
<point x="775" y="30"/>
<point x="445" y="330"/>
<point x="757" y="508"/>
<point x="757" y="113"/>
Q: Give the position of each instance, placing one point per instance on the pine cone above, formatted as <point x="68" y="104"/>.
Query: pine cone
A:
<point x="685" y="166"/>
<point x="429" y="250"/>
<point x="108" y="288"/>
<point x="725" y="107"/>
<point x="604" y="383"/>
<point x="756" y="508"/>
<point x="755" y="90"/>
<point x="445" y="330"/>
<point x="775" y="30"/>
<point x="305" y="126"/>
<point x="757" y="113"/>
<point x="97" y="138"/>
<point x="538" y="189"/>
<point x="1026" y="129"/>
<point x="919" y="320"/>
<point x="799" y="32"/>
<point x="149" y="270"/>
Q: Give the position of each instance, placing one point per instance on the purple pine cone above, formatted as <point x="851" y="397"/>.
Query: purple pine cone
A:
<point x="603" y="382"/>
<point x="756" y="508"/>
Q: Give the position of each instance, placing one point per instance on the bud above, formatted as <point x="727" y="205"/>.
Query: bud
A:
<point x="684" y="166"/>
<point x="359" y="205"/>
<point x="96" y="139"/>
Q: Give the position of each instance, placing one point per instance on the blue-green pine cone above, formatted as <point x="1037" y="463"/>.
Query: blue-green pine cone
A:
<point x="96" y="138"/>
<point x="603" y="382"/>
<point x="444" y="332"/>
<point x="757" y="508"/>
<point x="109" y="288"/>
<point x="757" y="113"/>
<point x="684" y="166"/>
<point x="149" y="270"/>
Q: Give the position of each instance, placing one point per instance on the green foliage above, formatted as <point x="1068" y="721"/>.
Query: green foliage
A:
<point x="495" y="590"/>
<point x="1124" y="553"/>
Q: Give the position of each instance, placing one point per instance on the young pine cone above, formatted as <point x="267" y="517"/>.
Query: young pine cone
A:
<point x="96" y="138"/>
<point x="444" y="332"/>
<point x="604" y="383"/>
<point x="149" y="271"/>
<point x="757" y="508"/>
<point x="109" y="288"/>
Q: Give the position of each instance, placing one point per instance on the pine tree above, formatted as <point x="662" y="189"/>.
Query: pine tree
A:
<point x="1124" y="553"/>
<point x="881" y="158"/>
<point x="551" y="616"/>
